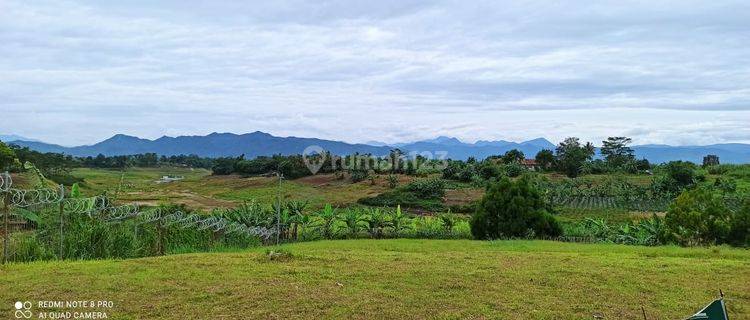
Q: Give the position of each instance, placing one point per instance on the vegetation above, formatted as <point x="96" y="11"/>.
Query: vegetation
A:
<point x="701" y="217"/>
<point x="513" y="209"/>
<point x="420" y="194"/>
<point x="359" y="279"/>
<point x="7" y="156"/>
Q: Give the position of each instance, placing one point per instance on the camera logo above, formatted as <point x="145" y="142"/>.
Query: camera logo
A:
<point x="23" y="310"/>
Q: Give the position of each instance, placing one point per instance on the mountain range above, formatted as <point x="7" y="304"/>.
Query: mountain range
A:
<point x="260" y="143"/>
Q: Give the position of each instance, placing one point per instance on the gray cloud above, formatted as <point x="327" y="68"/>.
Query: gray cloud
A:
<point x="377" y="70"/>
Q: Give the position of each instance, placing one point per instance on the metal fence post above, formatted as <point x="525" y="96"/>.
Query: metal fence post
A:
<point x="160" y="235"/>
<point x="62" y="221"/>
<point x="6" y="214"/>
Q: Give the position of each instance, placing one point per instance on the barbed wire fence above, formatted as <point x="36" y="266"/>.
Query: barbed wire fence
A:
<point x="101" y="209"/>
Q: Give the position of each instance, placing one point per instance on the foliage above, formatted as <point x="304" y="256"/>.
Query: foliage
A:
<point x="710" y="160"/>
<point x="571" y="155"/>
<point x="423" y="193"/>
<point x="676" y="176"/>
<point x="392" y="181"/>
<point x="617" y="153"/>
<point x="427" y="188"/>
<point x="701" y="217"/>
<point x="358" y="175"/>
<point x="7" y="156"/>
<point x="513" y="156"/>
<point x="327" y="218"/>
<point x="514" y="170"/>
<point x="545" y="159"/>
<point x="513" y="209"/>
<point x="647" y="232"/>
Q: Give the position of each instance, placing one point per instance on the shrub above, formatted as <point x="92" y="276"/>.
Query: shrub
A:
<point x="488" y="170"/>
<point x="427" y="188"/>
<point x="514" y="170"/>
<point x="392" y="181"/>
<point x="358" y="175"/>
<point x="513" y="209"/>
<point x="698" y="217"/>
<point x="739" y="233"/>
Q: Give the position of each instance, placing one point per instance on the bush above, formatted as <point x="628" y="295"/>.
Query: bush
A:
<point x="513" y="209"/>
<point x="739" y="233"/>
<point x="514" y="170"/>
<point x="427" y="188"/>
<point x="358" y="175"/>
<point x="698" y="217"/>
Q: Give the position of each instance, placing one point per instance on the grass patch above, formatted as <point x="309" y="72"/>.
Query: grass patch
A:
<point x="396" y="279"/>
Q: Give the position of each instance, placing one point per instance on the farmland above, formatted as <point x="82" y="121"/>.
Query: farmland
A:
<point x="201" y="190"/>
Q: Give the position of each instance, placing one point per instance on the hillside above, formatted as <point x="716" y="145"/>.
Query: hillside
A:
<point x="394" y="279"/>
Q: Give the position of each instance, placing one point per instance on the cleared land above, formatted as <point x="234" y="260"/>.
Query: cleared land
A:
<point x="398" y="279"/>
<point x="201" y="190"/>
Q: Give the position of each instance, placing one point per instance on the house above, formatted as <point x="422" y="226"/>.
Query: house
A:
<point x="529" y="164"/>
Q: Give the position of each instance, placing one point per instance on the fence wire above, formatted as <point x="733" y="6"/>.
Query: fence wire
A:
<point x="20" y="207"/>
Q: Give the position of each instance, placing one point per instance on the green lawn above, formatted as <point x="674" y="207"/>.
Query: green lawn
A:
<point x="396" y="279"/>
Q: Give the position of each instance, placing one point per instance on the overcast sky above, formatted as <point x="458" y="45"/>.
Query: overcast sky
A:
<point x="675" y="72"/>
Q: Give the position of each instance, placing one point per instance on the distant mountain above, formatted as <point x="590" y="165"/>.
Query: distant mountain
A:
<point x="456" y="149"/>
<point x="213" y="145"/>
<point x="260" y="143"/>
<point x="728" y="153"/>
<point x="13" y="137"/>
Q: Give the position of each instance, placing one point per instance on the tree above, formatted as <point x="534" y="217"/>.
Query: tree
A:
<point x="616" y="151"/>
<point x="513" y="156"/>
<point x="711" y="160"/>
<point x="571" y="156"/>
<point x="513" y="209"/>
<point x="698" y="217"/>
<point x="7" y="156"/>
<point x="676" y="176"/>
<point x="545" y="159"/>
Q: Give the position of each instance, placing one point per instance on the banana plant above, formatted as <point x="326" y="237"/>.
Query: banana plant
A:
<point x="376" y="221"/>
<point x="449" y="222"/>
<point x="352" y="219"/>
<point x="296" y="209"/>
<point x="327" y="219"/>
<point x="399" y="221"/>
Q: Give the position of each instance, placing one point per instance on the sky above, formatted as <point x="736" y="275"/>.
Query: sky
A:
<point x="671" y="72"/>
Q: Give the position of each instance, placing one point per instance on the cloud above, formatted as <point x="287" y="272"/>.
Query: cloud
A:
<point x="376" y="70"/>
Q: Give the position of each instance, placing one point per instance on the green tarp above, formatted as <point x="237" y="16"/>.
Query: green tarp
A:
<point x="714" y="311"/>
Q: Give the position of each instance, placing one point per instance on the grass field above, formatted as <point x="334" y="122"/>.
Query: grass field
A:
<point x="396" y="279"/>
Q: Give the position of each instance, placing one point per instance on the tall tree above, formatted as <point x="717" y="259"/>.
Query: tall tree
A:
<point x="545" y="159"/>
<point x="616" y="151"/>
<point x="7" y="156"/>
<point x="571" y="156"/>
<point x="711" y="160"/>
<point x="513" y="156"/>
